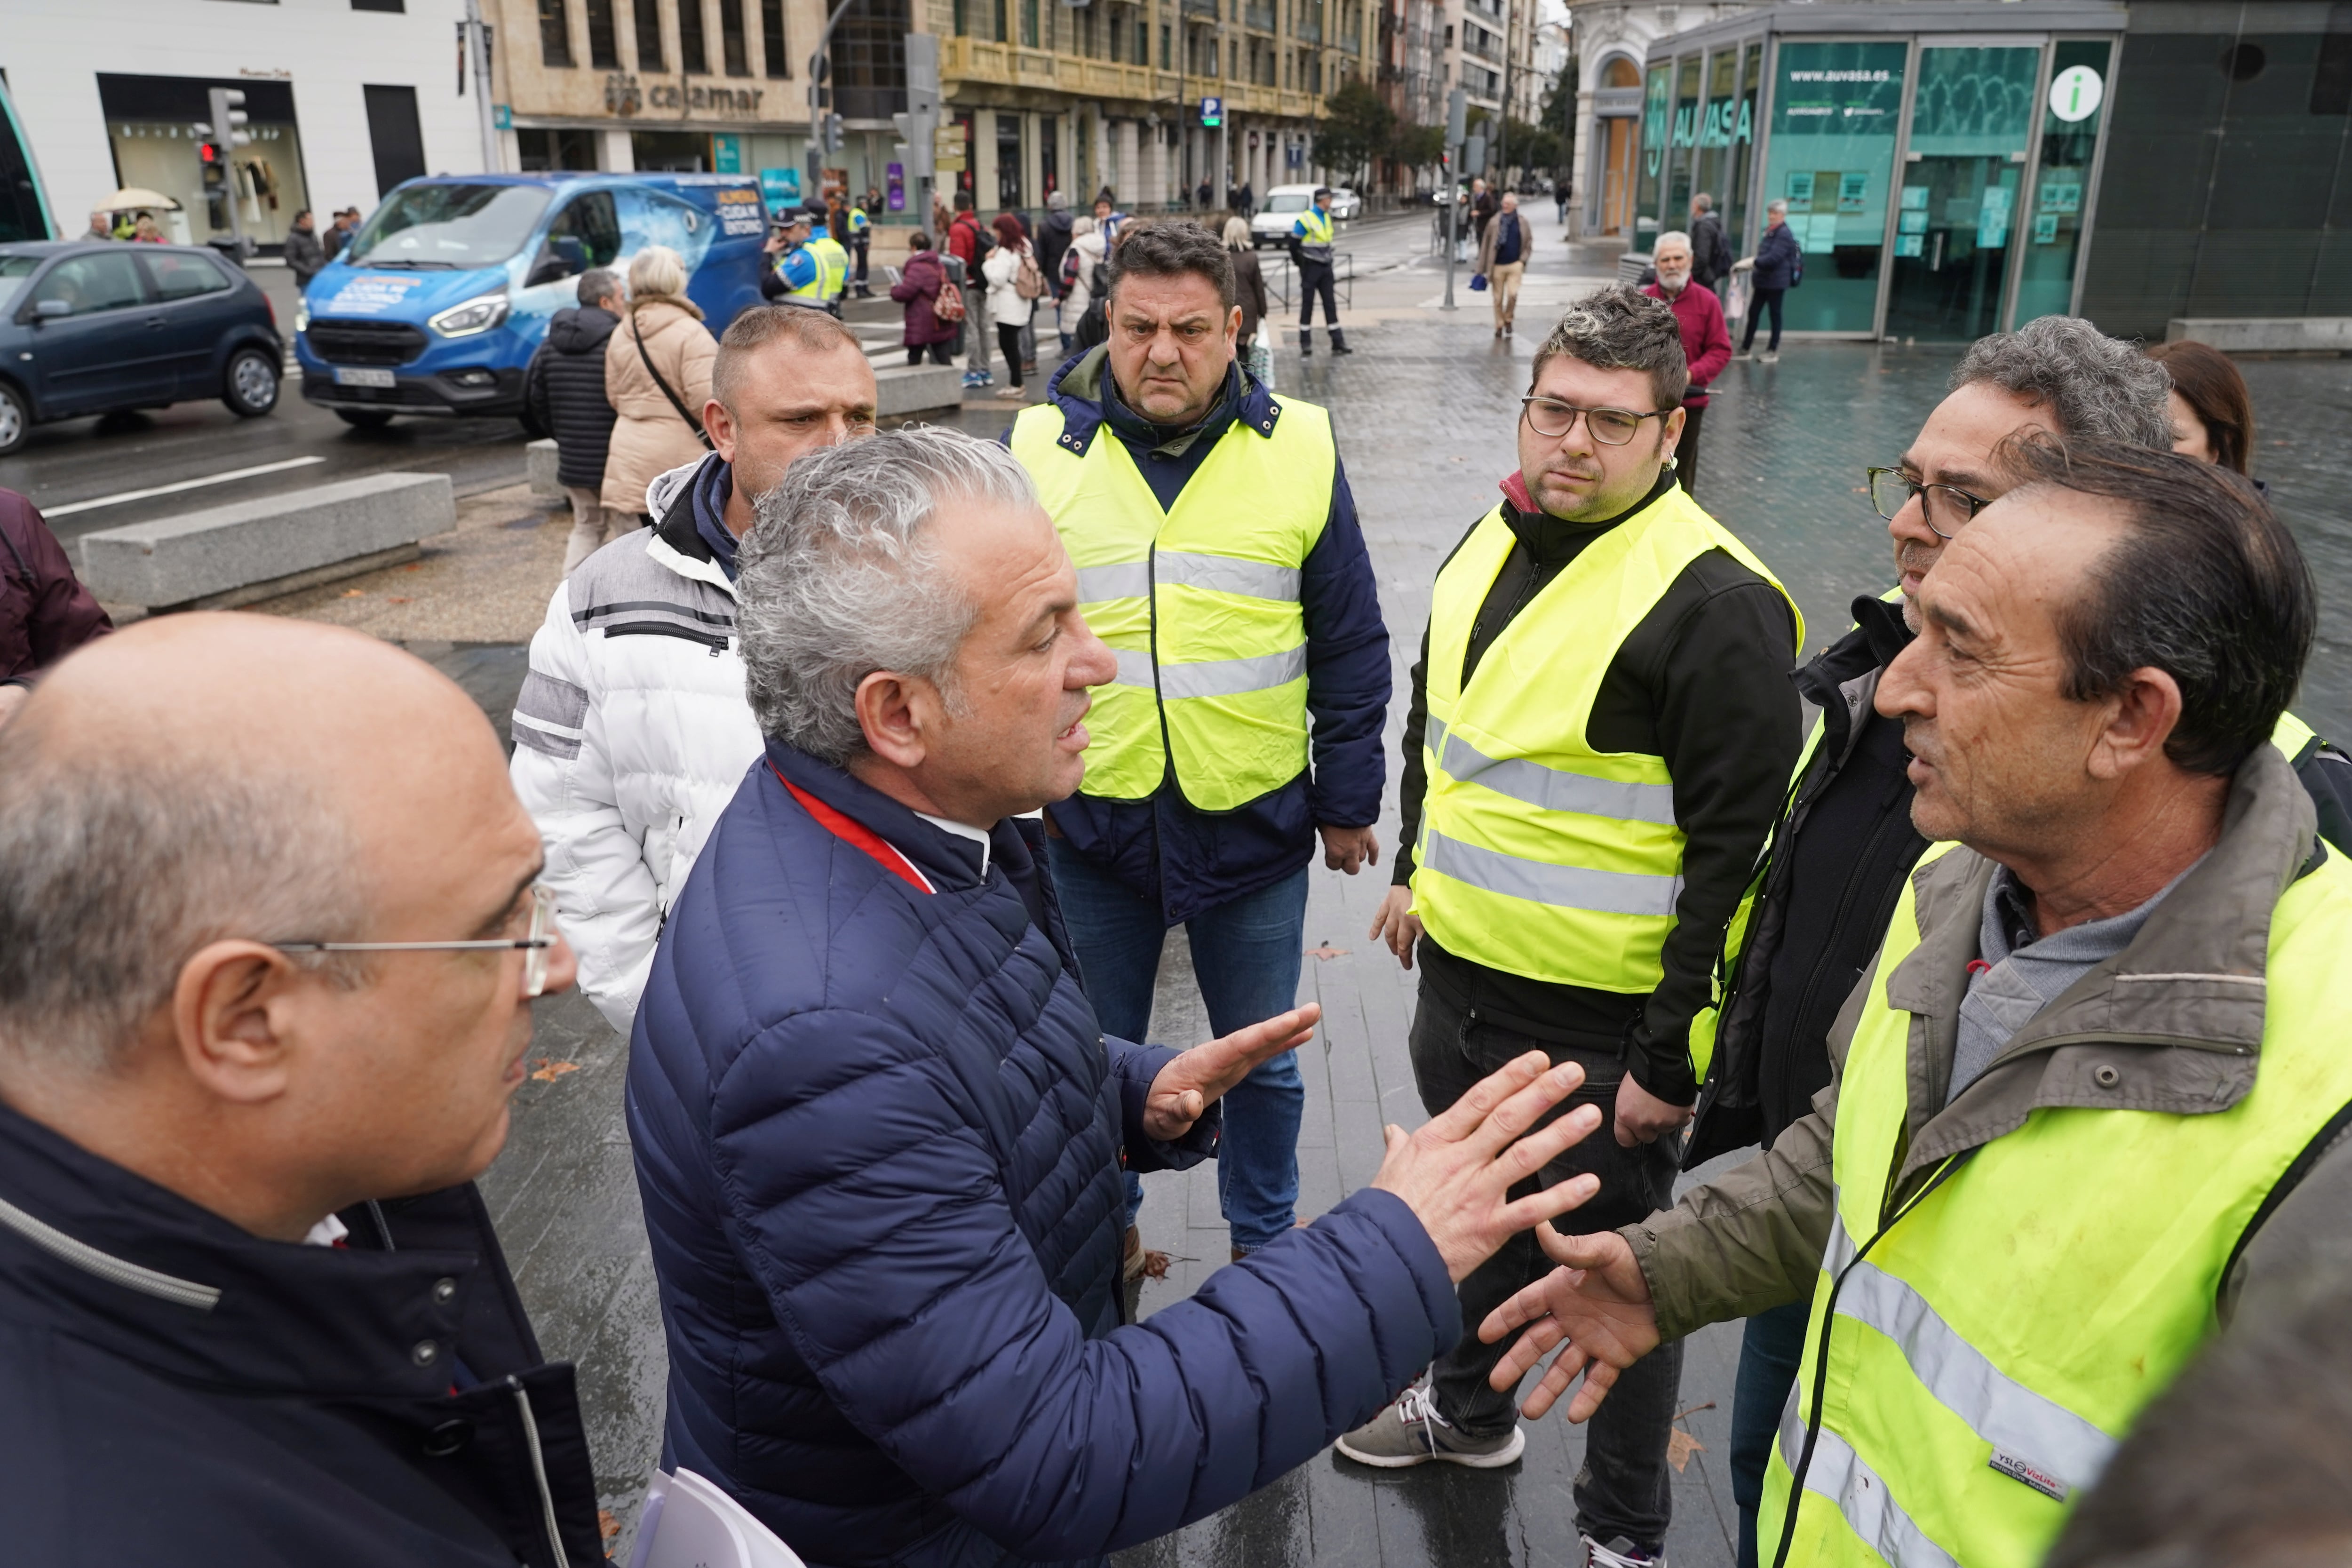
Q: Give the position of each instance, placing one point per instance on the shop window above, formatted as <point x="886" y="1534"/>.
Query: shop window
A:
<point x="771" y="38"/>
<point x="546" y="150"/>
<point x="1008" y="161"/>
<point x="2054" y="223"/>
<point x="693" y="55"/>
<point x="733" y="44"/>
<point x="554" y="34"/>
<point x="603" y="40"/>
<point x="647" y="16"/>
<point x="1834" y="110"/>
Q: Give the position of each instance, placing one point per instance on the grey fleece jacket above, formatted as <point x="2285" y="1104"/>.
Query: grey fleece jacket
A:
<point x="1753" y="1238"/>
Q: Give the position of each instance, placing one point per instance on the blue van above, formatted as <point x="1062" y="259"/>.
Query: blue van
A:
<point x="440" y="299"/>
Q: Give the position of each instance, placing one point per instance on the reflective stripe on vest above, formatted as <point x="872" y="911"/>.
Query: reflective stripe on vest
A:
<point x="1540" y="856"/>
<point x="1996" y="1336"/>
<point x="1200" y="602"/>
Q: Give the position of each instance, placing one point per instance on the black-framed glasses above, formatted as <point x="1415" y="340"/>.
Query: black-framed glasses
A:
<point x="535" y="946"/>
<point x="1947" y="507"/>
<point x="1551" y="418"/>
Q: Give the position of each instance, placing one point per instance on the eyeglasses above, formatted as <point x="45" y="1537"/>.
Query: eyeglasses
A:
<point x="534" y="946"/>
<point x="1947" y="507"/>
<point x="1551" y="418"/>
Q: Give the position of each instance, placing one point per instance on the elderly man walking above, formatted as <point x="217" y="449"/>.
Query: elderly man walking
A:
<point x="1706" y="341"/>
<point x="269" y="935"/>
<point x="631" y="730"/>
<point x="1600" y="734"/>
<point x="1218" y="554"/>
<point x="2090" y="1085"/>
<point x="1503" y="251"/>
<point x="879" y="1129"/>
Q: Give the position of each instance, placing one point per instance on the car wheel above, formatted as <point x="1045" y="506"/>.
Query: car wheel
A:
<point x="250" y="385"/>
<point x="15" y="419"/>
<point x="364" y="418"/>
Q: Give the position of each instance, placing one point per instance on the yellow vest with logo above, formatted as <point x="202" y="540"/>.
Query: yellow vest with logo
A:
<point x="832" y="272"/>
<point x="1200" y="602"/>
<point x="1315" y="230"/>
<point x="1991" y="1342"/>
<point x="1539" y="856"/>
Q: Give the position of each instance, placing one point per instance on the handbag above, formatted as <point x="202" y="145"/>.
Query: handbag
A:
<point x="1477" y="283"/>
<point x="675" y="400"/>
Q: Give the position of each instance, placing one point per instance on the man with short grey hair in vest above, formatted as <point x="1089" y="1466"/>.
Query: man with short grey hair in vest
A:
<point x="1601" y="727"/>
<point x="2089" y="1095"/>
<point x="1218" y="555"/>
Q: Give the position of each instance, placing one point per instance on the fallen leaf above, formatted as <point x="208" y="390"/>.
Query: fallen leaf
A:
<point x="1680" y="1446"/>
<point x="606" y="1525"/>
<point x="550" y="1070"/>
<point x="419" y="565"/>
<point x="1326" y="952"/>
<point x="396" y="599"/>
<point x="355" y="593"/>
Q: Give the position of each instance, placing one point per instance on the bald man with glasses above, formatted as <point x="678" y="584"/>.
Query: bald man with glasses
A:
<point x="1601" y="730"/>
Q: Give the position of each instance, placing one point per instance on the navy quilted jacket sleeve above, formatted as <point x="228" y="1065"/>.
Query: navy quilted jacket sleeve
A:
<point x="1346" y="669"/>
<point x="888" y="1251"/>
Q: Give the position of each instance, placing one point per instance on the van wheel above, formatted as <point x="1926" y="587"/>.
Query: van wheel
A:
<point x="15" y="419"/>
<point x="249" y="386"/>
<point x="364" y="418"/>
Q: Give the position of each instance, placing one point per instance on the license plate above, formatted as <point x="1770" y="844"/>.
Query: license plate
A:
<point x="349" y="375"/>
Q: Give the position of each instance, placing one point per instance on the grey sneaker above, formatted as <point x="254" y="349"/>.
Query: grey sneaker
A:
<point x="1768" y="359"/>
<point x="1620" y="1552"/>
<point x="1411" y="1432"/>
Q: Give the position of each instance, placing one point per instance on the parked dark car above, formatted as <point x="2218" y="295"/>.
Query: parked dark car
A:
<point x="90" y="327"/>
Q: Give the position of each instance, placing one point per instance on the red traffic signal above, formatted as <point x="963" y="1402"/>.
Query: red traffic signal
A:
<point x="207" y="153"/>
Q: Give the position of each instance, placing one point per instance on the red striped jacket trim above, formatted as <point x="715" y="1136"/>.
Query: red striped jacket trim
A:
<point x="859" y="834"/>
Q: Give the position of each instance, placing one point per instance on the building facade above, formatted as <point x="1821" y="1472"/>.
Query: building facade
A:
<point x="345" y="98"/>
<point x="1612" y="41"/>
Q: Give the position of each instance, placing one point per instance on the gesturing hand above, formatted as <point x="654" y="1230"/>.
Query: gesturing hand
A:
<point x="1397" y="925"/>
<point x="1186" y="1085"/>
<point x="1597" y="1303"/>
<point x="1457" y="1171"/>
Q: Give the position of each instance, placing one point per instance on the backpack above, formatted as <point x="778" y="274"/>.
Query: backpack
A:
<point x="1027" y="281"/>
<point x="948" y="304"/>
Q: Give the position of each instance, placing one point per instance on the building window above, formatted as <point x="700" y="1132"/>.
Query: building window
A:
<point x="771" y="38"/>
<point x="1003" y="22"/>
<point x="731" y="40"/>
<point x="1167" y="48"/>
<point x="692" y="55"/>
<point x="545" y="150"/>
<point x="1029" y="24"/>
<point x="649" y="46"/>
<point x="603" y="46"/>
<point x="554" y="33"/>
<point x="1142" y="42"/>
<point x="394" y="6"/>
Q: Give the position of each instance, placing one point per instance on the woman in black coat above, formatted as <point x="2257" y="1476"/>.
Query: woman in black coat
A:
<point x="565" y="391"/>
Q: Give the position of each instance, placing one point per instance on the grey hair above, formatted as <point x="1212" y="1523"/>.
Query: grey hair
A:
<point x="114" y="873"/>
<point x="2096" y="387"/>
<point x="1776" y="206"/>
<point x="1621" y="327"/>
<point x="843" y="576"/>
<point x="1672" y="236"/>
<point x="1703" y="203"/>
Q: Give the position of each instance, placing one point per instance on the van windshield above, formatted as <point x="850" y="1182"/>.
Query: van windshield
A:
<point x="1286" y="202"/>
<point x="449" y="225"/>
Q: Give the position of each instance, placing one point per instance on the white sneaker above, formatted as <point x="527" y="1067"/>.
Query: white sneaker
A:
<point x="1618" y="1553"/>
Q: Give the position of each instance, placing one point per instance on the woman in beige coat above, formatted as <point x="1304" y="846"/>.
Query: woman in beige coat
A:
<point x="651" y="437"/>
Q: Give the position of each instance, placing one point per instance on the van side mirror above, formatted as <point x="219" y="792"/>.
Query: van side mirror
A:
<point x="550" y="270"/>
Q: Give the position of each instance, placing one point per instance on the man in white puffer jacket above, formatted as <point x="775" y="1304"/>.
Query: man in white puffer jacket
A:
<point x="631" y="731"/>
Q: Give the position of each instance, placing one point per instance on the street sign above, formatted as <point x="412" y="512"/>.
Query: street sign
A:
<point x="502" y="116"/>
<point x="1212" y="112"/>
<point x="727" y="154"/>
<point x="780" y="188"/>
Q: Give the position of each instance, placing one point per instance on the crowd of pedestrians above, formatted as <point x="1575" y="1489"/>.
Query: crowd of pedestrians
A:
<point x="859" y="777"/>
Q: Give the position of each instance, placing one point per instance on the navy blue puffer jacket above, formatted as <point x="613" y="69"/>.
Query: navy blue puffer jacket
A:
<point x="877" y="1134"/>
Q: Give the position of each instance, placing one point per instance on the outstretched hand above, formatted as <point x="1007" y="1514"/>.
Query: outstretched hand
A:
<point x="1597" y="1303"/>
<point x="1456" y="1174"/>
<point x="1186" y="1087"/>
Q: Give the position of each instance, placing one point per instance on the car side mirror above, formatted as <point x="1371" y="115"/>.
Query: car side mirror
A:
<point x="51" y="310"/>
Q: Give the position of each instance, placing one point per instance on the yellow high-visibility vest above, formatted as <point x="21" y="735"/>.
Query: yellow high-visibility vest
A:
<point x="1200" y="602"/>
<point x="832" y="272"/>
<point x="1539" y="855"/>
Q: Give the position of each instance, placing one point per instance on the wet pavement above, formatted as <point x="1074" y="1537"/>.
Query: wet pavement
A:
<point x="1424" y="413"/>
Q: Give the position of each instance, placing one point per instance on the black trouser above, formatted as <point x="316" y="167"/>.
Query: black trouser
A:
<point x="863" y="244"/>
<point x="1765" y="300"/>
<point x="1008" y="338"/>
<point x="1687" y="450"/>
<point x="938" y="352"/>
<point x="1314" y="277"/>
<point x="1623" y="1488"/>
<point x="1770" y="1349"/>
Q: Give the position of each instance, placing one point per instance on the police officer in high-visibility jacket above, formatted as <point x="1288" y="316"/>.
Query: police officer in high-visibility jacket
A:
<point x="2092" y="1089"/>
<point x="811" y="272"/>
<point x="861" y="241"/>
<point x="1601" y="731"/>
<point x="1311" y="251"/>
<point x="1218" y="553"/>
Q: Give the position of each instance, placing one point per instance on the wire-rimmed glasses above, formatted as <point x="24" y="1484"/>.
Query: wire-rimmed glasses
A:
<point x="535" y="946"/>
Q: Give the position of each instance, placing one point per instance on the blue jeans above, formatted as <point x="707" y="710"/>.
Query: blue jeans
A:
<point x="1246" y="954"/>
<point x="1770" y="1349"/>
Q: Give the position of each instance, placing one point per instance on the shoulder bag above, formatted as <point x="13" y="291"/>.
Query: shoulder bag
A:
<point x="675" y="400"/>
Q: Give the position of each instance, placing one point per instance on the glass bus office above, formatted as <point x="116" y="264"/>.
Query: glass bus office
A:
<point x="1939" y="185"/>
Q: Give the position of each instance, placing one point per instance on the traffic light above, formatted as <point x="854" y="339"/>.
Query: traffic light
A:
<point x="229" y="118"/>
<point x="833" y="137"/>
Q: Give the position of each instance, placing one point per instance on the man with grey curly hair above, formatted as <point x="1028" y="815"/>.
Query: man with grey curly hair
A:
<point x="880" y="1132"/>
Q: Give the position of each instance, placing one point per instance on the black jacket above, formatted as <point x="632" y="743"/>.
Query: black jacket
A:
<point x="566" y="386"/>
<point x="1778" y="258"/>
<point x="1710" y="252"/>
<point x="179" y="1391"/>
<point x="1053" y="241"/>
<point x="306" y="258"/>
<point x="1829" y="881"/>
<point x="1702" y="682"/>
